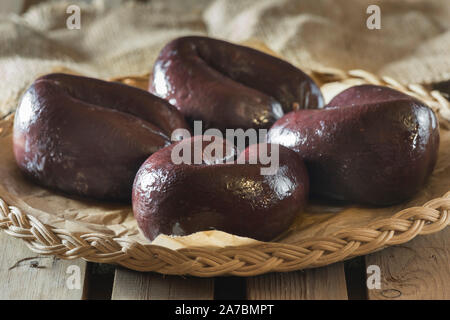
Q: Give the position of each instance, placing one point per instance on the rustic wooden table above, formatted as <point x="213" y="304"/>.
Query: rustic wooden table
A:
<point x="420" y="269"/>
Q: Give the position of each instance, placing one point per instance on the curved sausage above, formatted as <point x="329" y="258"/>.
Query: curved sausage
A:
<point x="180" y="199"/>
<point x="230" y="86"/>
<point x="371" y="145"/>
<point x="88" y="137"/>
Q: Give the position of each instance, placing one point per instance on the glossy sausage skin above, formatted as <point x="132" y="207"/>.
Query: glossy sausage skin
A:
<point x="370" y="145"/>
<point x="180" y="199"/>
<point x="88" y="137"/>
<point x="230" y="86"/>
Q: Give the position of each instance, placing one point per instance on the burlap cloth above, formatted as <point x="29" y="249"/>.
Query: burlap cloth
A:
<point x="412" y="46"/>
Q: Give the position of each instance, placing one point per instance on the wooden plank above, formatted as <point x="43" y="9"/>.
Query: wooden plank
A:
<point x="419" y="269"/>
<point x="312" y="284"/>
<point x="26" y="275"/>
<point x="134" y="285"/>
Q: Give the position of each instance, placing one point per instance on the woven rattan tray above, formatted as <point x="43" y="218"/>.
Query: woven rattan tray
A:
<point x="258" y="257"/>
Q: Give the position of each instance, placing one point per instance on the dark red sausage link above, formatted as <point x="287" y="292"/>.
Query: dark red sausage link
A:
<point x="230" y="86"/>
<point x="371" y="145"/>
<point x="180" y="199"/>
<point x="88" y="137"/>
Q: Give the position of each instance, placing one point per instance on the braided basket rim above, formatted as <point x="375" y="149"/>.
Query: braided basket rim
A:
<point x="254" y="259"/>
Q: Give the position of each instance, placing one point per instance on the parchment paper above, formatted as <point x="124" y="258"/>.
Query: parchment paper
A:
<point x="79" y="215"/>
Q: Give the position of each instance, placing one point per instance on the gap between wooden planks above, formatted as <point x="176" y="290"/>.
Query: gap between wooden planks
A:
<point x="25" y="275"/>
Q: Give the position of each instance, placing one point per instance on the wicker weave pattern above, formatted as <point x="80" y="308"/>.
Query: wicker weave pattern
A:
<point x="241" y="261"/>
<point x="245" y="260"/>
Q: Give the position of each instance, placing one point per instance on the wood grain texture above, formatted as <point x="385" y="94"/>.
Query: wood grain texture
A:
<point x="419" y="269"/>
<point x="134" y="285"/>
<point x="311" y="284"/>
<point x="25" y="275"/>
